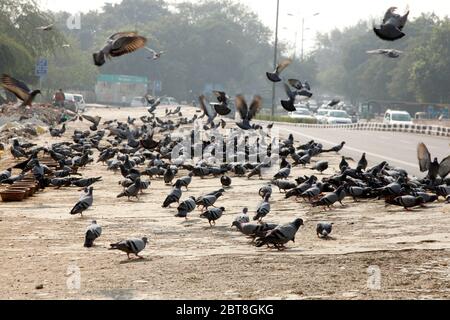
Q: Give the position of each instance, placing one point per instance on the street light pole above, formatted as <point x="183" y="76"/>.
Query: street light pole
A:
<point x="303" y="38"/>
<point x="275" y="58"/>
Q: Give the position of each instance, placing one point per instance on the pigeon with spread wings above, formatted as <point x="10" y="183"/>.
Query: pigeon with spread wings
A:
<point x="434" y="168"/>
<point x="391" y="53"/>
<point x="392" y="27"/>
<point x="247" y="114"/>
<point x="207" y="110"/>
<point x="119" y="44"/>
<point x="19" y="89"/>
<point x="222" y="108"/>
<point x="275" y="75"/>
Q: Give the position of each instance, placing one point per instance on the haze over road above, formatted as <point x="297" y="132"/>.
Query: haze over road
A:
<point x="399" y="149"/>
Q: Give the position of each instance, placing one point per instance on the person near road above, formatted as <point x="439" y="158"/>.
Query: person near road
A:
<point x="60" y="98"/>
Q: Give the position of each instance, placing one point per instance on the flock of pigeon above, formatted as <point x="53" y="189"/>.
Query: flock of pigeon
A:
<point x="131" y="149"/>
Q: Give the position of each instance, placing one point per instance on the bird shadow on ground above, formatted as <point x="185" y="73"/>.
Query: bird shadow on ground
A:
<point x="135" y="261"/>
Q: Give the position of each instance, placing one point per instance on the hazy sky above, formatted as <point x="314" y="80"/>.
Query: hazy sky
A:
<point x="332" y="13"/>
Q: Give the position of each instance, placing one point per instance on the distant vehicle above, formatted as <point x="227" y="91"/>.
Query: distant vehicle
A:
<point x="397" y="117"/>
<point x="138" y="102"/>
<point x="168" y="101"/>
<point x="70" y="102"/>
<point x="321" y="115"/>
<point x="79" y="100"/>
<point x="338" y="117"/>
<point x="302" y="113"/>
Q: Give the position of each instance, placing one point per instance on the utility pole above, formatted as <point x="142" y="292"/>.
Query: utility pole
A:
<point x="275" y="58"/>
<point x="303" y="38"/>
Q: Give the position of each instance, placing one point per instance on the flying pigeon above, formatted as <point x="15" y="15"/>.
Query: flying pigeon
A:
<point x="46" y="28"/>
<point x="434" y="168"/>
<point x="19" y="89"/>
<point x="275" y="75"/>
<point x="391" y="53"/>
<point x="155" y="55"/>
<point x="247" y="114"/>
<point x="211" y="114"/>
<point x="131" y="246"/>
<point x="119" y="44"/>
<point x="222" y="108"/>
<point x="392" y="27"/>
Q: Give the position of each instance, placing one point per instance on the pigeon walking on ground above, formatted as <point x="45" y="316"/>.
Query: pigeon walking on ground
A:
<point x="93" y="232"/>
<point x="281" y="235"/>
<point x="131" y="246"/>
<point x="324" y="229"/>
<point x="85" y="202"/>
<point x="213" y="215"/>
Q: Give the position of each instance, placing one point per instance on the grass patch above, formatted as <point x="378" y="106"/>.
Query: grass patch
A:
<point x="266" y="117"/>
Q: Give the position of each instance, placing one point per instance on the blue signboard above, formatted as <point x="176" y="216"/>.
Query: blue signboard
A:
<point x="41" y="67"/>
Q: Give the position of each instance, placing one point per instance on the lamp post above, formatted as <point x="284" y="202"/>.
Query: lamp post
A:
<point x="303" y="34"/>
<point x="275" y="58"/>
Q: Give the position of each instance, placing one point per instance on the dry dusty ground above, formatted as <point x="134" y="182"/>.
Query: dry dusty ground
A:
<point x="40" y="243"/>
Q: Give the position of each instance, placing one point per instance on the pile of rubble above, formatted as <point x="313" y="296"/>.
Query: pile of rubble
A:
<point x="17" y="121"/>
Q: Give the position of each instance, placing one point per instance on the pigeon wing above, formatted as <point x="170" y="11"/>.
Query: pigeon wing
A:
<point x="295" y="83"/>
<point x="18" y="88"/>
<point x="444" y="167"/>
<point x="424" y="157"/>
<point x="126" y="45"/>
<point x="255" y="107"/>
<point x="241" y="106"/>
<point x="283" y="65"/>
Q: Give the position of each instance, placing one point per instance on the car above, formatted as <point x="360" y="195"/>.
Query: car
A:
<point x="168" y="101"/>
<point x="138" y="102"/>
<point x="338" y="117"/>
<point x="321" y="115"/>
<point x="79" y="100"/>
<point x="397" y="117"/>
<point x="302" y="113"/>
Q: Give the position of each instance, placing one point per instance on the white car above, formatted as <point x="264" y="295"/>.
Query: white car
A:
<point x="168" y="101"/>
<point x="302" y="113"/>
<point x="321" y="115"/>
<point x="338" y="117"/>
<point x="138" y="102"/>
<point x="397" y="117"/>
<point x="79" y="100"/>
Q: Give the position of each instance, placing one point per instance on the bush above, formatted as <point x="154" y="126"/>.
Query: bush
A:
<point x="266" y="117"/>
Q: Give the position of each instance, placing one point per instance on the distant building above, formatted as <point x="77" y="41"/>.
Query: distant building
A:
<point x="111" y="88"/>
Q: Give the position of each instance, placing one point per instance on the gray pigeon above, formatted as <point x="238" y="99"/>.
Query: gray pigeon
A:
<point x="324" y="229"/>
<point x="132" y="191"/>
<point x="86" y="201"/>
<point x="174" y="196"/>
<point x="93" y="232"/>
<point x="119" y="44"/>
<point x="280" y="235"/>
<point x="392" y="26"/>
<point x="186" y="207"/>
<point x="213" y="215"/>
<point x="131" y="246"/>
<point x="243" y="217"/>
<point x="263" y="210"/>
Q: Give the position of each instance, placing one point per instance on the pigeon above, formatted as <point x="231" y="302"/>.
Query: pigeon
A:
<point x="321" y="166"/>
<point x="289" y="105"/>
<point x="323" y="229"/>
<point x="434" y="168"/>
<point x="225" y="181"/>
<point x="362" y="164"/>
<point x="448" y="199"/>
<point x="333" y="103"/>
<point x="243" y="217"/>
<point x="329" y="199"/>
<point x="19" y="89"/>
<point x="407" y="202"/>
<point x="186" y="207"/>
<point x="93" y="232"/>
<point x="254" y="230"/>
<point x="275" y="75"/>
<point x="155" y="55"/>
<point x="391" y="53"/>
<point x="283" y="173"/>
<point x="392" y="27"/>
<point x="207" y="111"/>
<point x="85" y="202"/>
<point x="209" y="200"/>
<point x="343" y="164"/>
<point x="174" y="196"/>
<point x="335" y="148"/>
<point x="263" y="210"/>
<point x="302" y="91"/>
<point x="57" y="133"/>
<point x="213" y="215"/>
<point x="265" y="190"/>
<point x="119" y="44"/>
<point x="131" y="246"/>
<point x="5" y="175"/>
<point x="246" y="113"/>
<point x="94" y="120"/>
<point x="83" y="183"/>
<point x="280" y="235"/>
<point x="185" y="181"/>
<point x="46" y="28"/>
<point x="132" y="191"/>
<point x="222" y="108"/>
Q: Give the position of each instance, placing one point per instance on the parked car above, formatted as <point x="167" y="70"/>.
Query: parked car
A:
<point x="79" y="100"/>
<point x="302" y="113"/>
<point x="168" y="101"/>
<point x="69" y="103"/>
<point x="321" y="115"/>
<point x="138" y="102"/>
<point x="397" y="117"/>
<point x="338" y="117"/>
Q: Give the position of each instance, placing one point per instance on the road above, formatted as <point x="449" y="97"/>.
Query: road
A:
<point x="399" y="149"/>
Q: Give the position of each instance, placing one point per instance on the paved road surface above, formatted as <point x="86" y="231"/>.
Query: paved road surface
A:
<point x="399" y="149"/>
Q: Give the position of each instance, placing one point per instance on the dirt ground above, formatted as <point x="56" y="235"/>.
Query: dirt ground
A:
<point x="374" y="253"/>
